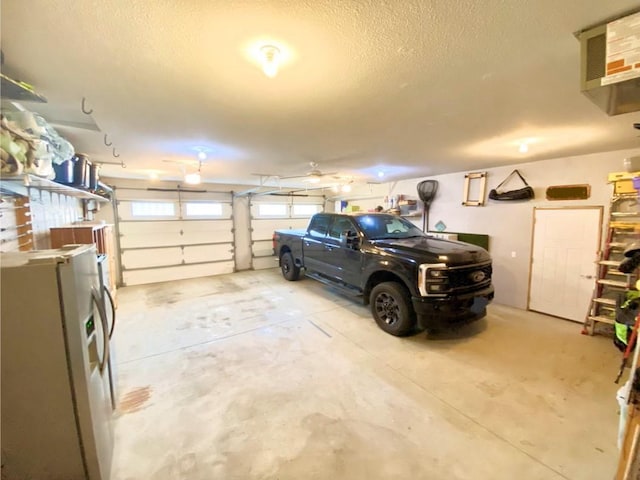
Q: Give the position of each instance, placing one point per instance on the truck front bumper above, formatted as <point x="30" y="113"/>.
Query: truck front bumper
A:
<point x="441" y="312"/>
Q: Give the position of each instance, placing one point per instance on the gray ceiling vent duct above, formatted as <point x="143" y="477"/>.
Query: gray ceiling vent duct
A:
<point x="617" y="98"/>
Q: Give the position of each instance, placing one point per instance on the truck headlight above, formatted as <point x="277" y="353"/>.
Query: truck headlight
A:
<point x="432" y="275"/>
<point x="436" y="287"/>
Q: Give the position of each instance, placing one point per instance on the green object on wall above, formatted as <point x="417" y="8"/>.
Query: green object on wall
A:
<point x="474" y="239"/>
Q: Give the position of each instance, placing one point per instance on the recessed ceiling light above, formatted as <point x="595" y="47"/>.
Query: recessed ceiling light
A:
<point x="346" y="188"/>
<point x="523" y="148"/>
<point x="380" y="174"/>
<point x="153" y="175"/>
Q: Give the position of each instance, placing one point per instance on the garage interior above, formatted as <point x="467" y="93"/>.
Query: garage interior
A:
<point x="199" y="128"/>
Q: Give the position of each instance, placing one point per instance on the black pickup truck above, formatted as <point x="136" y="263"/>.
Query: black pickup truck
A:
<point x="410" y="279"/>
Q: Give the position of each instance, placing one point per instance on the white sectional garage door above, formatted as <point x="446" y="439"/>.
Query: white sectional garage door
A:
<point x="273" y="212"/>
<point x="174" y="234"/>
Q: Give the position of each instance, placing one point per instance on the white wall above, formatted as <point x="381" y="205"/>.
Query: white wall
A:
<point x="242" y="235"/>
<point x="509" y="224"/>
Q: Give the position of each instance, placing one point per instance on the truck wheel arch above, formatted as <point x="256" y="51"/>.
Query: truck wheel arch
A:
<point x="380" y="276"/>
<point x="286" y="249"/>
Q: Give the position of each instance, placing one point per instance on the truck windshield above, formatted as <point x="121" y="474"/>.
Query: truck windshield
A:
<point x="380" y="226"/>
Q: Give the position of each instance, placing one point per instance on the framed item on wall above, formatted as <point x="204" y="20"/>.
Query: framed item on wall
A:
<point x="475" y="189"/>
<point x="568" y="192"/>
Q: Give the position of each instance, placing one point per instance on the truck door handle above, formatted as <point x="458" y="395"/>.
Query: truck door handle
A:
<point x="329" y="248"/>
<point x="306" y="244"/>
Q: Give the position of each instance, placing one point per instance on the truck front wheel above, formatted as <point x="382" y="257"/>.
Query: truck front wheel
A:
<point x="289" y="269"/>
<point x="391" y="308"/>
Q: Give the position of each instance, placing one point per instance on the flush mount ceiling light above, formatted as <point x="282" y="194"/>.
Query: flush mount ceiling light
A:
<point x="202" y="152"/>
<point x="270" y="60"/>
<point x="523" y="148"/>
<point x="380" y="174"/>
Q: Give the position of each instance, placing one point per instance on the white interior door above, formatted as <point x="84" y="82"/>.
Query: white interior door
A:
<point x="563" y="270"/>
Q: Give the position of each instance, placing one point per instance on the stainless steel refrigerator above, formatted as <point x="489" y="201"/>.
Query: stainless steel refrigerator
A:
<point x="55" y="395"/>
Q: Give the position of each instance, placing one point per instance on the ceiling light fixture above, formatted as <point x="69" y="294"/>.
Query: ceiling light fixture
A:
<point x="194" y="178"/>
<point x="523" y="148"/>
<point x="346" y="188"/>
<point x="270" y="60"/>
<point x="202" y="155"/>
<point x="380" y="174"/>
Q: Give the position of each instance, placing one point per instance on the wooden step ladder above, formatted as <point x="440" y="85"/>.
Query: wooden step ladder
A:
<point x="623" y="230"/>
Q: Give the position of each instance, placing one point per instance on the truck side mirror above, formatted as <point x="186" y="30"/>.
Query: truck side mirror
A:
<point x="350" y="239"/>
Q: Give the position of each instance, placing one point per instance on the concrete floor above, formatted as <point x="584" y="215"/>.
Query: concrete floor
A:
<point x="248" y="376"/>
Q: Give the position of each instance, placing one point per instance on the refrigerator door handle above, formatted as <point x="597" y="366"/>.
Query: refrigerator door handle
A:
<point x="113" y="310"/>
<point x="105" y="329"/>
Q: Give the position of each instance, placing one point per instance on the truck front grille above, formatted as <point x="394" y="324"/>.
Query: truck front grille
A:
<point x="440" y="280"/>
<point x="475" y="276"/>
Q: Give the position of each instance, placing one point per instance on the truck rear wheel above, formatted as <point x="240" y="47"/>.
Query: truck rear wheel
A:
<point x="289" y="269"/>
<point x="391" y="308"/>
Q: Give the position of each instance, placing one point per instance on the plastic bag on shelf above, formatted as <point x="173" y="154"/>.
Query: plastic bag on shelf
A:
<point x="37" y="127"/>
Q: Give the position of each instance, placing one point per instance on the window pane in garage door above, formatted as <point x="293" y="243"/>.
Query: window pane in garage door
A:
<point x="269" y="214"/>
<point x="181" y="235"/>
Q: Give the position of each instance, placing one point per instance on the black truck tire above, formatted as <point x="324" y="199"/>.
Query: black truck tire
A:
<point x="391" y="308"/>
<point x="289" y="269"/>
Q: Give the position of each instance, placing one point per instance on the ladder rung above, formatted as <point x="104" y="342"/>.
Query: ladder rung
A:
<point x="612" y="283"/>
<point x="625" y="214"/>
<point x="605" y="301"/>
<point x="609" y="263"/>
<point x="623" y="224"/>
<point x="601" y="319"/>
<point x="618" y="245"/>
<point x="615" y="272"/>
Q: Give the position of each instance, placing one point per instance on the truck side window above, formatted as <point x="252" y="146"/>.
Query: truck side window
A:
<point x="319" y="226"/>
<point x="339" y="225"/>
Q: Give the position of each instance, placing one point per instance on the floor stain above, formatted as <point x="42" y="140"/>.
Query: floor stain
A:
<point x="135" y="400"/>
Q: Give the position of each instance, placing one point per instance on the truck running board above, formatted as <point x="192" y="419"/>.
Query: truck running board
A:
<point x="347" y="290"/>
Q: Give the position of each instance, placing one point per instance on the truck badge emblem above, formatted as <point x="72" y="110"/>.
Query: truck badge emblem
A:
<point x="477" y="276"/>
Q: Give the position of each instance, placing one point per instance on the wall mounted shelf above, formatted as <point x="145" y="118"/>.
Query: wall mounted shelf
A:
<point x="20" y="185"/>
<point x="12" y="90"/>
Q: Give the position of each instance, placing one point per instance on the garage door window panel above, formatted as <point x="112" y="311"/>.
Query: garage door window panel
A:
<point x="203" y="210"/>
<point x="305" y="210"/>
<point x="270" y="210"/>
<point x="153" y="210"/>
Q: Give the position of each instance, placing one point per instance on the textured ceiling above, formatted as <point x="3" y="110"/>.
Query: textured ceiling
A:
<point x="409" y="87"/>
